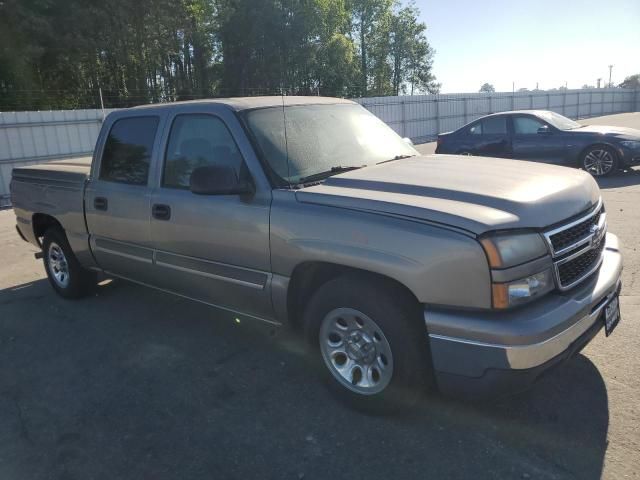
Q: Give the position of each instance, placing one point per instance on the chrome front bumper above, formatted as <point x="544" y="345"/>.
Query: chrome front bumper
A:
<point x="469" y="344"/>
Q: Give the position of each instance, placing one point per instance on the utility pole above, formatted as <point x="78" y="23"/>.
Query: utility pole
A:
<point x="599" y="80"/>
<point x="610" y="68"/>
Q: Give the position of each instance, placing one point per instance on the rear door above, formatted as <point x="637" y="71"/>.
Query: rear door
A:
<point x="536" y="140"/>
<point x="117" y="198"/>
<point x="213" y="248"/>
<point x="489" y="137"/>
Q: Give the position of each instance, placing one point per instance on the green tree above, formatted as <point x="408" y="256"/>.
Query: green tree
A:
<point x="59" y="53"/>
<point x="632" y="81"/>
<point x="487" y="88"/>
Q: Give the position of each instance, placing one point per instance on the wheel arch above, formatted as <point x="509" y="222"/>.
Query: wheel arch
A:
<point x="41" y="222"/>
<point x="610" y="146"/>
<point x="308" y="277"/>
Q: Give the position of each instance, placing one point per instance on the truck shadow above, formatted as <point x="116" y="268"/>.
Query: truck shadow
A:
<point x="153" y="386"/>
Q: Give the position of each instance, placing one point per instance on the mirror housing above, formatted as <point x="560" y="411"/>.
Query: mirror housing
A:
<point x="218" y="180"/>
<point x="544" y="130"/>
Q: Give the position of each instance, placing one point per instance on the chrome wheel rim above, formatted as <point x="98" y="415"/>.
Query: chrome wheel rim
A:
<point x="356" y="351"/>
<point x="598" y="162"/>
<point x="58" y="265"/>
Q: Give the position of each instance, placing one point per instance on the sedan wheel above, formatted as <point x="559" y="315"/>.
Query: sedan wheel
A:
<point x="599" y="161"/>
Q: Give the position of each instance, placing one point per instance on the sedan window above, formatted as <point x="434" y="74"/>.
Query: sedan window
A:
<point x="526" y="125"/>
<point x="494" y="126"/>
<point x="476" y="129"/>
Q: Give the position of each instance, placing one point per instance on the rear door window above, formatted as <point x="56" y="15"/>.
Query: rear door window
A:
<point x="127" y="151"/>
<point x="494" y="126"/>
<point x="475" y="129"/>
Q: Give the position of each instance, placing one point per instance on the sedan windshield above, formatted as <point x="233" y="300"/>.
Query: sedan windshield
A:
<point x="322" y="140"/>
<point x="558" y="121"/>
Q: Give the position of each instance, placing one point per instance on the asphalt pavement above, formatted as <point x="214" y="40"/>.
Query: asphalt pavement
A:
<point x="136" y="384"/>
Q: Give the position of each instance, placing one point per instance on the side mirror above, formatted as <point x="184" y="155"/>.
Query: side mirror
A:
<point x="408" y="141"/>
<point x="218" y="180"/>
<point x="544" y="130"/>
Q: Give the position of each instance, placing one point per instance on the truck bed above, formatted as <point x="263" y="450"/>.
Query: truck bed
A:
<point x="54" y="189"/>
<point x="67" y="172"/>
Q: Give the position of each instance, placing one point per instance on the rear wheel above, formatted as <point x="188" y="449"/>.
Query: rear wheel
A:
<point x="599" y="161"/>
<point x="371" y="341"/>
<point x="67" y="277"/>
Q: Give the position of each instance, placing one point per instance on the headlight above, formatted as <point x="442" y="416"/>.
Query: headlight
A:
<point x="506" y="250"/>
<point x="521" y="291"/>
<point x="632" y="144"/>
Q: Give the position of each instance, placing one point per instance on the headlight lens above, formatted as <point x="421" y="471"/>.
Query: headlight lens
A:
<point x="521" y="291"/>
<point x="506" y="250"/>
<point x="633" y="144"/>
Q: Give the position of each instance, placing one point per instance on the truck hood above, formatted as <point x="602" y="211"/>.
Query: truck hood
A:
<point x="476" y="194"/>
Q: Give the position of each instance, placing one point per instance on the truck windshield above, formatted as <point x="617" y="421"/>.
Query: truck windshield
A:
<point x="322" y="138"/>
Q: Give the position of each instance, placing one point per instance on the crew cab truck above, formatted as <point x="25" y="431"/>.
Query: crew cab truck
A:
<point x="403" y="271"/>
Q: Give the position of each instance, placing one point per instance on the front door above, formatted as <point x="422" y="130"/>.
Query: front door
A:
<point x="537" y="141"/>
<point x="118" y="197"/>
<point x="213" y="248"/>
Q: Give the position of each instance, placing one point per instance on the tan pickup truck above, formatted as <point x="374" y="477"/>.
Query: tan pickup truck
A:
<point x="405" y="272"/>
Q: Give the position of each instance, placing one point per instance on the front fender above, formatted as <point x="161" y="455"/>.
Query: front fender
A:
<point x="439" y="266"/>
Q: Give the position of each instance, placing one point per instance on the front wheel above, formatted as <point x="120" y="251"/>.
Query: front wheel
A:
<point x="67" y="277"/>
<point x="372" y="343"/>
<point x="599" y="161"/>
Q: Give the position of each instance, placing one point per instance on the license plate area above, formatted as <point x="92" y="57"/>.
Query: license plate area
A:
<point x="611" y="315"/>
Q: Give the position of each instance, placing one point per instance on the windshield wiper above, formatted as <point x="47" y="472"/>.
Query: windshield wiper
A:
<point x="397" y="157"/>
<point x="326" y="173"/>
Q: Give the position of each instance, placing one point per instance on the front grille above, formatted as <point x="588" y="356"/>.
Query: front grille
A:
<point x="574" y="234"/>
<point x="572" y="270"/>
<point x="577" y="248"/>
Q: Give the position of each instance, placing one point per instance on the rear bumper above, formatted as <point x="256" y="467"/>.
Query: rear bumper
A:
<point x="494" y="353"/>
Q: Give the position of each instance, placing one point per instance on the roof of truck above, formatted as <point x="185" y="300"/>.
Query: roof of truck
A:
<point x="247" y="103"/>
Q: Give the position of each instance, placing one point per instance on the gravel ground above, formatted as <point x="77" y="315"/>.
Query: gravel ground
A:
<point x="135" y="384"/>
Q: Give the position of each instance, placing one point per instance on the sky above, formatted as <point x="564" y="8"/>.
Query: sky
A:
<point x="548" y="42"/>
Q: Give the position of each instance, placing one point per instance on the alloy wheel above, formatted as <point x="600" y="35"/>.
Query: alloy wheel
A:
<point x="598" y="162"/>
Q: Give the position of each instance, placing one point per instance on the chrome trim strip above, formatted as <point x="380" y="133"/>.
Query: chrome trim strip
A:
<point x="528" y="356"/>
<point x="120" y="254"/>
<point x="271" y="322"/>
<point x="210" y="275"/>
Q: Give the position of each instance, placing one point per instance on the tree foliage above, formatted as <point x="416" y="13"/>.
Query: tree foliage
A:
<point x="58" y="53"/>
<point x="632" y="81"/>
<point x="487" y="88"/>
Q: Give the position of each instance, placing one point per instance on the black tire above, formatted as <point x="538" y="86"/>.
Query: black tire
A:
<point x="595" y="151"/>
<point x="397" y="315"/>
<point x="78" y="281"/>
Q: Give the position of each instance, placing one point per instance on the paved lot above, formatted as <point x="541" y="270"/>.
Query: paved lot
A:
<point x="136" y="384"/>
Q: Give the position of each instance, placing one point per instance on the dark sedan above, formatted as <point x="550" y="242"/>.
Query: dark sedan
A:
<point x="544" y="136"/>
